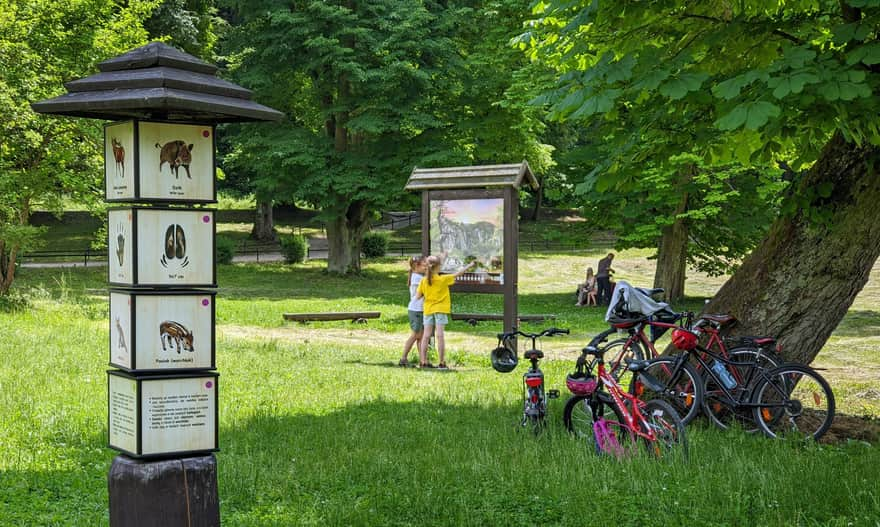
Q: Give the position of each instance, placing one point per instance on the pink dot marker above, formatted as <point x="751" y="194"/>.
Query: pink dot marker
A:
<point x="206" y="133"/>
<point x="205" y="302"/>
<point x="209" y="385"/>
<point x="206" y="218"/>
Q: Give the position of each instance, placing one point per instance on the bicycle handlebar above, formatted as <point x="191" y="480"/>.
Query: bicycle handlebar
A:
<point x="593" y="346"/>
<point x="549" y="332"/>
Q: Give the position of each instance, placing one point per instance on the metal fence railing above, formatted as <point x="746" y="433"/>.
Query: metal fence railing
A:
<point x="271" y="251"/>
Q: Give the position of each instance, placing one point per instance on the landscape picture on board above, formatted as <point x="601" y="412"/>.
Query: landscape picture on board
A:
<point x="468" y="230"/>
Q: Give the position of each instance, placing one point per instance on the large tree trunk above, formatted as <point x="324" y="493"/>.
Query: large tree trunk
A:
<point x="671" y="268"/>
<point x="539" y="201"/>
<point x="672" y="261"/>
<point x="7" y="267"/>
<point x="345" y="237"/>
<point x="800" y="282"/>
<point x="264" y="223"/>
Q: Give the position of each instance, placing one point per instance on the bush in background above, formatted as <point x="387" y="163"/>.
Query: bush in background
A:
<point x="225" y="248"/>
<point x="375" y="244"/>
<point x="294" y="248"/>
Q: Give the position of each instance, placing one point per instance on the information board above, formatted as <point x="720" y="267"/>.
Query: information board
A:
<point x="152" y="416"/>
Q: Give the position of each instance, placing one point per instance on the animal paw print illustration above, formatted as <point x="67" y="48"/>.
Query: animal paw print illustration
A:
<point x="120" y="243"/>
<point x="175" y="246"/>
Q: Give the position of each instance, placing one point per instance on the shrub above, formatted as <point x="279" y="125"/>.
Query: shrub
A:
<point x="294" y="248"/>
<point x="225" y="248"/>
<point x="375" y="244"/>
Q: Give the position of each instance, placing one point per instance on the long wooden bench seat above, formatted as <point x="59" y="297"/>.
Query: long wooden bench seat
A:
<point x="354" y="316"/>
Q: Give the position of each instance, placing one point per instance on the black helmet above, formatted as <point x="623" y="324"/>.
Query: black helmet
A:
<point x="504" y="360"/>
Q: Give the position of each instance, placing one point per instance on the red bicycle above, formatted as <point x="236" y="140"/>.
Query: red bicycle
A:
<point x="684" y="390"/>
<point x="614" y="421"/>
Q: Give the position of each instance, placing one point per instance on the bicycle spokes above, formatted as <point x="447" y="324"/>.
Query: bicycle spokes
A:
<point x="794" y="401"/>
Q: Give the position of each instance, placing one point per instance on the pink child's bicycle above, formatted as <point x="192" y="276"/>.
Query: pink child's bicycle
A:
<point x="615" y="422"/>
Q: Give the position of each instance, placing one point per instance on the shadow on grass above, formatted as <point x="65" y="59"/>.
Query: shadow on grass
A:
<point x="58" y="484"/>
<point x="390" y="463"/>
<point x="434" y="463"/>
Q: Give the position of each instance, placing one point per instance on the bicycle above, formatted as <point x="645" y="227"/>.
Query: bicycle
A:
<point x="745" y="354"/>
<point x="790" y="398"/>
<point x="687" y="389"/>
<point x="600" y="411"/>
<point x="684" y="390"/>
<point x="534" y="393"/>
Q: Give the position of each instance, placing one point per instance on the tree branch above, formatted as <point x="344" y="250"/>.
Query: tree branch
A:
<point x="716" y="20"/>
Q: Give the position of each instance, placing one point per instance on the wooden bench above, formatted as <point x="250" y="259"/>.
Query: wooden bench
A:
<point x="474" y="318"/>
<point x="356" y="316"/>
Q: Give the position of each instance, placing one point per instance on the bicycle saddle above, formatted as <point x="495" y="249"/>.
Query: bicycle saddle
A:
<point x="721" y="319"/>
<point x="740" y="340"/>
<point x="537" y="354"/>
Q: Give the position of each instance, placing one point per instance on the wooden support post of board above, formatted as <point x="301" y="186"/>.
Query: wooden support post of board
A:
<point x="167" y="493"/>
<point x="355" y="316"/>
<point x="511" y="244"/>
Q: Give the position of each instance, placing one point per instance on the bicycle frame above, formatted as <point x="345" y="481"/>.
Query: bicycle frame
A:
<point x="753" y="375"/>
<point x="634" y="421"/>
<point x="637" y="334"/>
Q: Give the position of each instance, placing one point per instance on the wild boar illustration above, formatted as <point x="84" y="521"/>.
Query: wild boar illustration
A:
<point x="177" y="154"/>
<point x="171" y="332"/>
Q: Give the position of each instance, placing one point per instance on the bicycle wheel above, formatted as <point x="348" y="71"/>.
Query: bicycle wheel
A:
<point x="616" y="352"/>
<point x="682" y="389"/>
<point x="793" y="401"/>
<point x="534" y="412"/>
<point x="723" y="411"/>
<point x="579" y="421"/>
<point x="663" y="421"/>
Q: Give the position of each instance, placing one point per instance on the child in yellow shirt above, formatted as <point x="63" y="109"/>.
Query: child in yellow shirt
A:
<point x="438" y="305"/>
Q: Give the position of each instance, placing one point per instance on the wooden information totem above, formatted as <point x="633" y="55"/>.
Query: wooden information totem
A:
<point x="163" y="402"/>
<point x="159" y="152"/>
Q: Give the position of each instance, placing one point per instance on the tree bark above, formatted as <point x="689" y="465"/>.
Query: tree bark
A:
<point x="264" y="223"/>
<point x="345" y="238"/>
<point x="799" y="283"/>
<point x="671" y="270"/>
<point x="539" y="200"/>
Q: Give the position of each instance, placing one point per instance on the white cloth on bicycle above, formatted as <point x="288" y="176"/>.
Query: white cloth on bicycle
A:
<point x="635" y="301"/>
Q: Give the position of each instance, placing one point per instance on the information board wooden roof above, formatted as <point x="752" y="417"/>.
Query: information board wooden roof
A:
<point x="484" y="176"/>
<point x="157" y="82"/>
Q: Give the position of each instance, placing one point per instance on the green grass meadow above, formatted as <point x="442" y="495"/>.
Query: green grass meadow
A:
<point x="318" y="426"/>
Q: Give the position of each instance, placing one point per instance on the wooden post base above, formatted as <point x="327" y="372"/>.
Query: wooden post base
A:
<point x="167" y="493"/>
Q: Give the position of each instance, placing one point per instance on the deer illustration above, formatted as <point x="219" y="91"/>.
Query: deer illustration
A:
<point x="171" y="332"/>
<point x="119" y="156"/>
<point x="120" y="343"/>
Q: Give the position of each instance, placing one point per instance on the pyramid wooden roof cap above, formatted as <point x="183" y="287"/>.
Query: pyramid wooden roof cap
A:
<point x="157" y="82"/>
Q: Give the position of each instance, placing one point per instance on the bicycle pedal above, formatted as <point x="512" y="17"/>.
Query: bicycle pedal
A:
<point x="553" y="394"/>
